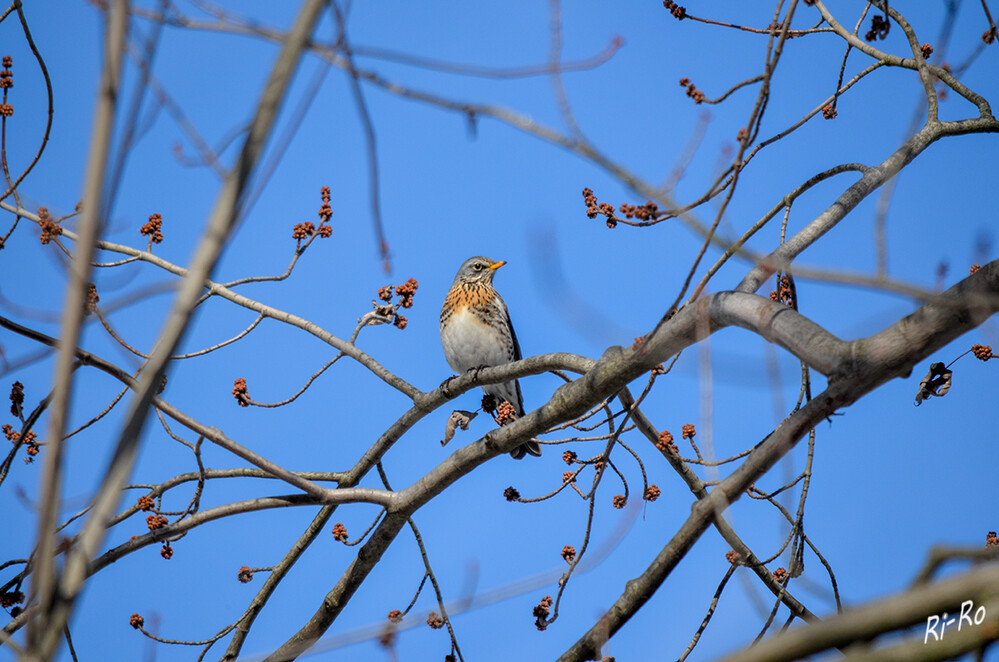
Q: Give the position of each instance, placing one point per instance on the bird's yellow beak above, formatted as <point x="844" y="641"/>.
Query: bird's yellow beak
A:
<point x="497" y="265"/>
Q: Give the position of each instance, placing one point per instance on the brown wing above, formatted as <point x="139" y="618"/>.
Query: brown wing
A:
<point x="516" y="357"/>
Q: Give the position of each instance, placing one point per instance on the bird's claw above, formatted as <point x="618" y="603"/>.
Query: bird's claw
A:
<point x="445" y="386"/>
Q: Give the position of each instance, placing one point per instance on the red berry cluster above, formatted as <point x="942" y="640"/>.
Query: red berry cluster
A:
<point x="339" y="532"/>
<point x="12" y="435"/>
<point x="406" y="292"/>
<point x="156" y="522"/>
<point x="325" y="212"/>
<point x="505" y="413"/>
<point x="983" y="352"/>
<point x="307" y="229"/>
<point x="303" y="230"/>
<point x="692" y="91"/>
<point x="679" y="13"/>
<point x="50" y="229"/>
<point x="665" y="443"/>
<point x="541" y="612"/>
<point x="31" y="440"/>
<point x="593" y="207"/>
<point x="783" y="293"/>
<point x="90" y="305"/>
<point x="7" y="76"/>
<point x="11" y="598"/>
<point x="644" y="212"/>
<point x="153" y="228"/>
<point x="240" y="393"/>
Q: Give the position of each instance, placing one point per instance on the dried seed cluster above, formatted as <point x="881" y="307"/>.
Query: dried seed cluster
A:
<point x="16" y="398"/>
<point x="879" y="28"/>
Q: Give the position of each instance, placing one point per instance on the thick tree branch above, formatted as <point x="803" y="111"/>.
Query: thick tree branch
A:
<point x="855" y="368"/>
<point x="898" y="612"/>
<point x="46" y="631"/>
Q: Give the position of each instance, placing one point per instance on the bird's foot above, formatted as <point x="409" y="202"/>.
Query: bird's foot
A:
<point x="445" y="386"/>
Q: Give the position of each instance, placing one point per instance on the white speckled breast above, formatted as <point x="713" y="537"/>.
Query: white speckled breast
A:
<point x="467" y="344"/>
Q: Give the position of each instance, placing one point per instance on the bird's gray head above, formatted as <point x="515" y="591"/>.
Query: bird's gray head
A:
<point x="478" y="270"/>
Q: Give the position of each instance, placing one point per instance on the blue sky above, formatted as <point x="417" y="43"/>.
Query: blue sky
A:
<point x="890" y="480"/>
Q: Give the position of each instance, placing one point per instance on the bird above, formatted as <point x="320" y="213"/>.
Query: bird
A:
<point x="476" y="333"/>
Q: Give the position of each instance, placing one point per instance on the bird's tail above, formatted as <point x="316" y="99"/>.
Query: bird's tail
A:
<point x="531" y="447"/>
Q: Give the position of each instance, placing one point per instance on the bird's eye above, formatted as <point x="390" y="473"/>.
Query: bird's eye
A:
<point x="478" y="266"/>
